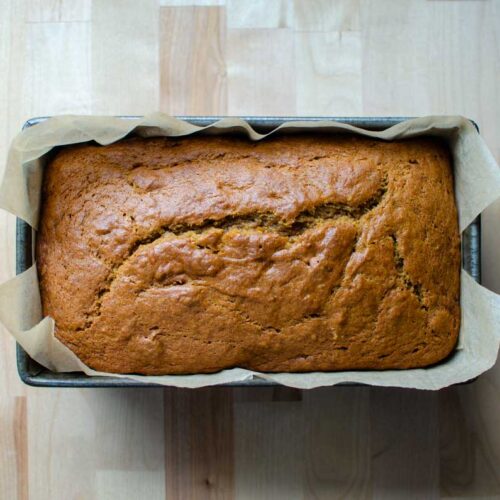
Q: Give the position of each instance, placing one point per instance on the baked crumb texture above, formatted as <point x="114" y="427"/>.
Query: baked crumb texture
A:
<point x="293" y="254"/>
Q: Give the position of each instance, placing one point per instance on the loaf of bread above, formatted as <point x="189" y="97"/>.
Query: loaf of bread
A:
<point x="296" y="253"/>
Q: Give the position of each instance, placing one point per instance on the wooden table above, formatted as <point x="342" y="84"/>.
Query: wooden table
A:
<point x="381" y="57"/>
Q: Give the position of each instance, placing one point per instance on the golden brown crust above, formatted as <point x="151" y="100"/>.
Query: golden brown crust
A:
<point x="296" y="253"/>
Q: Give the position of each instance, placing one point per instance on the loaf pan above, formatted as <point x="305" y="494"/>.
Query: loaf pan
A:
<point x="34" y="374"/>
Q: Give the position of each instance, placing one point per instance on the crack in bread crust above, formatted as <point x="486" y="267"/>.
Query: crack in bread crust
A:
<point x="409" y="284"/>
<point x="268" y="221"/>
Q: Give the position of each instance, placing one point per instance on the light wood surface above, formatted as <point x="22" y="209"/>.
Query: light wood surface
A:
<point x="359" y="57"/>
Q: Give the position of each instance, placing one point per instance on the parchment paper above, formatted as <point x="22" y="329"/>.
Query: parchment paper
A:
<point x="477" y="184"/>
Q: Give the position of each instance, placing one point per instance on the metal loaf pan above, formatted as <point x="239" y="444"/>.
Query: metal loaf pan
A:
<point x="34" y="374"/>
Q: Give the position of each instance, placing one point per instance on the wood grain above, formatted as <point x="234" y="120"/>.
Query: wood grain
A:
<point x="259" y="14"/>
<point x="13" y="458"/>
<point x="405" y="433"/>
<point x="457" y="469"/>
<point x="326" y="15"/>
<point x="329" y="65"/>
<point x="192" y="60"/>
<point x="58" y="11"/>
<point x="128" y="442"/>
<point x="199" y="449"/>
<point x="20" y="431"/>
<point x="192" y="3"/>
<point x="261" y="72"/>
<point x="49" y="84"/>
<point x="124" y="56"/>
<point x="269" y="450"/>
<point x="60" y="447"/>
<point x="351" y="57"/>
<point x="337" y="443"/>
<point x="469" y="449"/>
